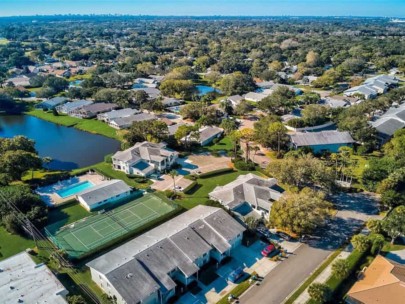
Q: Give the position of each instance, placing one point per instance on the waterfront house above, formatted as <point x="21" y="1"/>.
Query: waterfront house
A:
<point x="108" y="116"/>
<point x="93" y="110"/>
<point x="127" y="121"/>
<point x="68" y="107"/>
<point x="52" y="103"/>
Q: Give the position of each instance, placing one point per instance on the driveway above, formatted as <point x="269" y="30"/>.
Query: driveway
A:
<point x="165" y="182"/>
<point x="353" y="211"/>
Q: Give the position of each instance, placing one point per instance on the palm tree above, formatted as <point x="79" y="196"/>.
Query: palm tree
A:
<point x="173" y="174"/>
<point x="319" y="292"/>
<point x="255" y="149"/>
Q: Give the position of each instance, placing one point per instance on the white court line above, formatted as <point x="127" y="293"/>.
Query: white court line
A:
<point x="85" y="246"/>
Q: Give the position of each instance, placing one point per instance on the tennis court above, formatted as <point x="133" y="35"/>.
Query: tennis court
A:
<point x="94" y="232"/>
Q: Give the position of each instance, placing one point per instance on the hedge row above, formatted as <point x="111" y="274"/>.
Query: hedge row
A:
<point x="215" y="172"/>
<point x="237" y="291"/>
<point x="190" y="187"/>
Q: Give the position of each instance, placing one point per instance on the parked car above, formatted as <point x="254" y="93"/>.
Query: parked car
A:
<point x="236" y="274"/>
<point x="284" y="236"/>
<point x="268" y="250"/>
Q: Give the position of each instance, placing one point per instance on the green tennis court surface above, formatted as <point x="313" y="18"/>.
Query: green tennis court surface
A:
<point x="94" y="232"/>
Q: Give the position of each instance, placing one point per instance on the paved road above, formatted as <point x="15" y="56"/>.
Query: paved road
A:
<point x="353" y="210"/>
<point x="282" y="280"/>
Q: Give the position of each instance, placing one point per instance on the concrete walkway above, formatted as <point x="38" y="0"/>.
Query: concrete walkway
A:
<point x="324" y="275"/>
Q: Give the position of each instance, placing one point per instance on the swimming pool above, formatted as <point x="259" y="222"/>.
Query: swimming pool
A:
<point x="74" y="189"/>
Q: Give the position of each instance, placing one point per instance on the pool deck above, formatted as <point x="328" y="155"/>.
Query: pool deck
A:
<point x="52" y="199"/>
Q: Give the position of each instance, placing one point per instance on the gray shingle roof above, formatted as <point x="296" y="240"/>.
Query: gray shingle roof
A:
<point x="104" y="191"/>
<point x="321" y="138"/>
<point x="119" y="113"/>
<point x="209" y="132"/>
<point x="174" y="244"/>
<point x="249" y="188"/>
<point x="391" y="121"/>
<point x="128" y="120"/>
<point x="132" y="282"/>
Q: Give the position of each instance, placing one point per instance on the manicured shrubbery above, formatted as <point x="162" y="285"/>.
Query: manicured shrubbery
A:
<point x="244" y="166"/>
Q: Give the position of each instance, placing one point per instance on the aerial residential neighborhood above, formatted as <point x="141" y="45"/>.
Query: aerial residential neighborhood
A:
<point x="210" y="152"/>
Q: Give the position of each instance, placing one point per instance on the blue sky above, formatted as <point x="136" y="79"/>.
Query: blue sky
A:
<point x="385" y="8"/>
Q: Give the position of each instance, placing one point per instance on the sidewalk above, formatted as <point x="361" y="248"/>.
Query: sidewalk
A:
<point x="324" y="276"/>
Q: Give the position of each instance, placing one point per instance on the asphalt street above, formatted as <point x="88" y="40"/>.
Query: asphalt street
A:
<point x="353" y="211"/>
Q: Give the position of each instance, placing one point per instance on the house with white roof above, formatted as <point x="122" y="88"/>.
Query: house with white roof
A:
<point x="127" y="121"/>
<point x="24" y="281"/>
<point x="206" y="135"/>
<point x="373" y="86"/>
<point x="235" y="100"/>
<point x="144" y="158"/>
<point x="105" y="193"/>
<point x="69" y="107"/>
<point x="146" y="268"/>
<point x="108" y="116"/>
<point x="18" y="81"/>
<point x="258" y="192"/>
<point x="255" y="97"/>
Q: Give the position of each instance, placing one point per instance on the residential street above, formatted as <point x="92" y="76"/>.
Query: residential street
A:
<point x="287" y="276"/>
<point x="353" y="211"/>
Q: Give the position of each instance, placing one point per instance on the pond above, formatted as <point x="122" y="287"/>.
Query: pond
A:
<point x="202" y="89"/>
<point x="68" y="147"/>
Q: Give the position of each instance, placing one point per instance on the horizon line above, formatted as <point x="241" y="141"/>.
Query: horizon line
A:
<point x="199" y="16"/>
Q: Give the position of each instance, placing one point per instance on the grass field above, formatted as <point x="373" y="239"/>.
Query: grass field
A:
<point x="199" y="194"/>
<point x="95" y="232"/>
<point x="89" y="125"/>
<point x="11" y="244"/>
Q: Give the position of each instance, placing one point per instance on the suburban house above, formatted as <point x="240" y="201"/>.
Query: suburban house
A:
<point x="373" y="86"/>
<point x="255" y="97"/>
<point x="107" y="192"/>
<point x="24" y="281"/>
<point x="52" y="103"/>
<point x="258" y="192"/>
<point x="19" y="81"/>
<point x="144" y="158"/>
<point x="146" y="269"/>
<point x="324" y="141"/>
<point x="108" y="116"/>
<point x="68" y="107"/>
<point x="264" y="84"/>
<point x="235" y="100"/>
<point x="206" y="135"/>
<point x="335" y="103"/>
<point x="170" y="102"/>
<point x="127" y="121"/>
<point x="383" y="282"/>
<point x="391" y="121"/>
<point x="147" y="82"/>
<point x="93" y="110"/>
<point x="153" y="93"/>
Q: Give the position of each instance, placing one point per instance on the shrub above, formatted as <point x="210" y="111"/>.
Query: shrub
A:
<point x="190" y="187"/>
<point x="215" y="172"/>
<point x="108" y="159"/>
<point x="360" y="242"/>
<point x="319" y="292"/>
<point x="341" y="268"/>
<point x="244" y="166"/>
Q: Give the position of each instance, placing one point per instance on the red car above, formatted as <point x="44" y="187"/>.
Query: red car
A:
<point x="268" y="250"/>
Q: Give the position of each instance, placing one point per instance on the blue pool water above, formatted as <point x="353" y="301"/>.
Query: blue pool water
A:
<point x="139" y="86"/>
<point x="75" y="83"/>
<point x="202" y="90"/>
<point x="74" y="189"/>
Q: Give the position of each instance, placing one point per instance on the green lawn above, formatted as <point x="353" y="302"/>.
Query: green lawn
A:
<point x="88" y="125"/>
<point x="225" y="144"/>
<point x="67" y="214"/>
<point x="199" y="194"/>
<point x="11" y="244"/>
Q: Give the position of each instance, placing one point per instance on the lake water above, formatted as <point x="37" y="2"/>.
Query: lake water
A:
<point x="202" y="90"/>
<point x="68" y="147"/>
